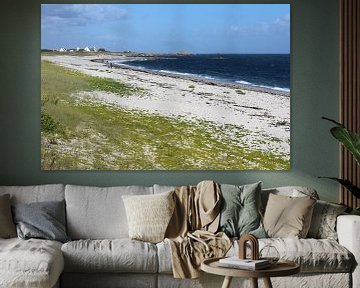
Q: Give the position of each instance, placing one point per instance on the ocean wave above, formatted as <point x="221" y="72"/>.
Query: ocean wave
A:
<point x="177" y="73"/>
<point x="263" y="86"/>
<point x="187" y="74"/>
<point x="281" y="89"/>
<point x="244" y="82"/>
<point x="122" y="64"/>
<point x="127" y="63"/>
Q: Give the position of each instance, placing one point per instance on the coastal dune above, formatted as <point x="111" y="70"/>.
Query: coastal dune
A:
<point x="265" y="115"/>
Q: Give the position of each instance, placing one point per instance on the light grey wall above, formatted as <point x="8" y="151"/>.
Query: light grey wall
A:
<point x="314" y="94"/>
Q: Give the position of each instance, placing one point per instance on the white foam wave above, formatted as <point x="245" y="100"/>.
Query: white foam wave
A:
<point x="244" y="82"/>
<point x="186" y="74"/>
<point x="264" y="86"/>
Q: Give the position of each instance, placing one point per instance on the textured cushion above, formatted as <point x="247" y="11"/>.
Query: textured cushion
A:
<point x="7" y="227"/>
<point x="313" y="255"/>
<point x="117" y="255"/>
<point x="149" y="215"/>
<point x="240" y="213"/>
<point x="323" y="222"/>
<point x="98" y="213"/>
<point x="31" y="263"/>
<point x="44" y="220"/>
<point x="287" y="216"/>
<point x="36" y="193"/>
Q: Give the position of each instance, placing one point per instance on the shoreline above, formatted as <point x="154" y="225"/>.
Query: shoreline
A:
<point x="174" y="74"/>
<point x="232" y="108"/>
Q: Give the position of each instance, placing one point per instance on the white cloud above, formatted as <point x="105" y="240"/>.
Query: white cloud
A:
<point x="283" y="21"/>
<point x="277" y="25"/>
<point x="79" y="14"/>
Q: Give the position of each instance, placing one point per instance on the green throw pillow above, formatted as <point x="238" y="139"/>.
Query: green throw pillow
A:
<point x="240" y="213"/>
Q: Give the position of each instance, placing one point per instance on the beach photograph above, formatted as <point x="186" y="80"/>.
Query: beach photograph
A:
<point x="165" y="86"/>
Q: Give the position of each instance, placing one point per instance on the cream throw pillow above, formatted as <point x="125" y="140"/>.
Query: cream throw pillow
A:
<point x="288" y="217"/>
<point x="149" y="215"/>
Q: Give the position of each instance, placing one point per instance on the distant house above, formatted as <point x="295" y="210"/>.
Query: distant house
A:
<point x="78" y="49"/>
<point x="90" y="49"/>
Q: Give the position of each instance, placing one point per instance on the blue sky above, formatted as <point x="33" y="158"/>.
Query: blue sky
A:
<point x="168" y="28"/>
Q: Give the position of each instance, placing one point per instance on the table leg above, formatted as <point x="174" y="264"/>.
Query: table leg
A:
<point x="227" y="282"/>
<point x="267" y="283"/>
<point x="254" y="282"/>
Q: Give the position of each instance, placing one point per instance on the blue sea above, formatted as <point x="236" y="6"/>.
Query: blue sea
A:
<point x="271" y="71"/>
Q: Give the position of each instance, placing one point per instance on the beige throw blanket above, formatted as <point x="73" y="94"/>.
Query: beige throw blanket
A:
<point x="191" y="231"/>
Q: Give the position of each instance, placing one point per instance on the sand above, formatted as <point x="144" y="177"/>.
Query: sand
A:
<point x="265" y="114"/>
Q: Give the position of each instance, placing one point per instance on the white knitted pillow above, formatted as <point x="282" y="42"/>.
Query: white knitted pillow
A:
<point x="149" y="215"/>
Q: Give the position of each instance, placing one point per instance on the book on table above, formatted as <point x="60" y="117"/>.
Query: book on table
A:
<point x="249" y="264"/>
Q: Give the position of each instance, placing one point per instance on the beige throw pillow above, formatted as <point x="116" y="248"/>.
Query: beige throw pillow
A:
<point x="7" y="226"/>
<point x="149" y="215"/>
<point x="288" y="217"/>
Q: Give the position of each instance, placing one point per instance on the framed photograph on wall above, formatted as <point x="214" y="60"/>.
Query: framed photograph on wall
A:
<point x="165" y="86"/>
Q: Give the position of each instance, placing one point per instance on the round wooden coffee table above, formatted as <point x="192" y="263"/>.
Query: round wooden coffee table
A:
<point x="281" y="268"/>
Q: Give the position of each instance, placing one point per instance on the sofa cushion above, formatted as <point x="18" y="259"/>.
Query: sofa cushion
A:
<point x="323" y="222"/>
<point x="149" y="215"/>
<point x="117" y="255"/>
<point x="43" y="220"/>
<point x="163" y="188"/>
<point x="240" y="210"/>
<point x="313" y="255"/>
<point x="98" y="213"/>
<point x="287" y="216"/>
<point x="109" y="280"/>
<point x="7" y="226"/>
<point x="30" y="263"/>
<point x="36" y="193"/>
<point x="291" y="191"/>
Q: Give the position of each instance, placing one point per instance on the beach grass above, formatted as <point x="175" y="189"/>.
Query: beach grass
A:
<point x="85" y="135"/>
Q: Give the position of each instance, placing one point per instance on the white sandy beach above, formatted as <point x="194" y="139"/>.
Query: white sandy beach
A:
<point x="265" y="115"/>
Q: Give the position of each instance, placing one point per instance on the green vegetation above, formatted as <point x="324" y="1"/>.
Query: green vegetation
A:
<point x="49" y="126"/>
<point x="83" y="134"/>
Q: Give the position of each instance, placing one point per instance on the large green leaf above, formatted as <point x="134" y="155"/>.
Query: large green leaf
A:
<point x="349" y="139"/>
<point x="348" y="185"/>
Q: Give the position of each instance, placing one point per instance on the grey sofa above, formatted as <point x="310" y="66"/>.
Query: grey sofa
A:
<point x="101" y="254"/>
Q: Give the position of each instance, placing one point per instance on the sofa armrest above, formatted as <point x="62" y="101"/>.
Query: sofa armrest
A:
<point x="348" y="230"/>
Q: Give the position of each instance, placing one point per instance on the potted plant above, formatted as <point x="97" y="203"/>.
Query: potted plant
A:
<point x="351" y="141"/>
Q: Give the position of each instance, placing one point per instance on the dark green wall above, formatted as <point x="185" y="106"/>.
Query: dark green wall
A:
<point x="314" y="93"/>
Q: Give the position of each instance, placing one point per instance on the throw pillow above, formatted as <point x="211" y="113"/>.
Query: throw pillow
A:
<point x="7" y="227"/>
<point x="240" y="213"/>
<point x="43" y="220"/>
<point x="149" y="215"/>
<point x="323" y="222"/>
<point x="288" y="217"/>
